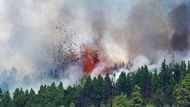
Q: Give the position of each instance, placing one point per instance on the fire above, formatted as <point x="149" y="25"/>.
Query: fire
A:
<point x="90" y="60"/>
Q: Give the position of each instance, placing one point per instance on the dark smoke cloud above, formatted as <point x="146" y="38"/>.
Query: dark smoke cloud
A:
<point x="148" y="30"/>
<point x="180" y="21"/>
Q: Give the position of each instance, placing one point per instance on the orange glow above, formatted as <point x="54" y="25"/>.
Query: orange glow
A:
<point x="90" y="60"/>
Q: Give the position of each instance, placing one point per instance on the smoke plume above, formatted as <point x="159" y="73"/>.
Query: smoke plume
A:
<point x="58" y="40"/>
<point x="180" y="22"/>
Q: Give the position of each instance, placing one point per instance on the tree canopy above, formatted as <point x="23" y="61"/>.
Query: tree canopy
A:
<point x="166" y="87"/>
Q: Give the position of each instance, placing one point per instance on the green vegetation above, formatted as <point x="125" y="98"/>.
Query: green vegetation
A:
<point x="167" y="87"/>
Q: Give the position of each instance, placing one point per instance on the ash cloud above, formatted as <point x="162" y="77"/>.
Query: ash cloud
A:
<point x="43" y="39"/>
<point x="95" y="12"/>
<point x="180" y="22"/>
<point x="148" y="30"/>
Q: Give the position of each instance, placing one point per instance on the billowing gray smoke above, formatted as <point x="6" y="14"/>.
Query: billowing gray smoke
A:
<point x="43" y="39"/>
<point x="96" y="12"/>
<point x="148" y="31"/>
<point x="180" y="21"/>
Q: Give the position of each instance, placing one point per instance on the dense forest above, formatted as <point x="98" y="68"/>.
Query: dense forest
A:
<point x="167" y="87"/>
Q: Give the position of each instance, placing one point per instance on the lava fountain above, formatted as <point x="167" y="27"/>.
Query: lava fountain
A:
<point x="93" y="59"/>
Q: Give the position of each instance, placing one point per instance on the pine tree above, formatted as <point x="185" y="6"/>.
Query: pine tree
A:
<point x="72" y="105"/>
<point x="98" y="84"/>
<point x="32" y="100"/>
<point x="159" y="98"/>
<point x="182" y="92"/>
<point x="19" y="98"/>
<point x="144" y="80"/>
<point x="107" y="88"/>
<point x="129" y="85"/>
<point x="60" y="97"/>
<point x="121" y="101"/>
<point x="137" y="100"/>
<point x="6" y="100"/>
<point x="60" y="87"/>
<point x="121" y="83"/>
<point x="1" y="93"/>
<point x="156" y="81"/>
<point x="177" y="73"/>
<point x="167" y="82"/>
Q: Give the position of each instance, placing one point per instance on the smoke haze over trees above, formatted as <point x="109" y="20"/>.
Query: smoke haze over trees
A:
<point x="142" y="88"/>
